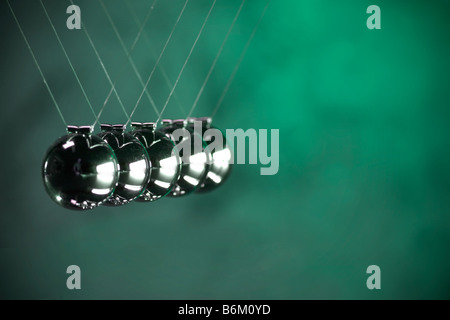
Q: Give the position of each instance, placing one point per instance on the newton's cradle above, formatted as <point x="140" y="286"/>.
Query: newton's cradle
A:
<point x="83" y="170"/>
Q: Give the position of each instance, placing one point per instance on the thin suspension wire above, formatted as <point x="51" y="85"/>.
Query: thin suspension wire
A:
<point x="141" y="29"/>
<point x="152" y="51"/>
<point x="244" y="51"/>
<point x="37" y="64"/>
<point x="104" y="105"/>
<point x="194" y="105"/>
<point x="113" y="89"/>
<point x="159" y="59"/>
<point x="130" y="59"/>
<point x="113" y="86"/>
<point x="128" y="54"/>
<point x="68" y="59"/>
<point x="105" y="71"/>
<point x="187" y="60"/>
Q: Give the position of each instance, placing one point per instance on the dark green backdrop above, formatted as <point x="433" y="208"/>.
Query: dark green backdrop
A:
<point x="364" y="153"/>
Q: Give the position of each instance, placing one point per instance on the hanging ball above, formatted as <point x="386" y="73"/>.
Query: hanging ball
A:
<point x="134" y="164"/>
<point x="80" y="170"/>
<point x="195" y="162"/>
<point x="165" y="162"/>
<point x="220" y="166"/>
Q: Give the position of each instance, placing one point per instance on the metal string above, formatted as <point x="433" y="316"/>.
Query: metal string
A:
<point x="158" y="60"/>
<point x="152" y="51"/>
<point x="130" y="59"/>
<point x="194" y="105"/>
<point x="113" y="89"/>
<point x="104" y="70"/>
<point x="187" y="60"/>
<point x="244" y="51"/>
<point x="37" y="64"/>
<point x="68" y="59"/>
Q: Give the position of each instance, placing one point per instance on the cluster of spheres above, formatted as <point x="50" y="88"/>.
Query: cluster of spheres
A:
<point x="82" y="170"/>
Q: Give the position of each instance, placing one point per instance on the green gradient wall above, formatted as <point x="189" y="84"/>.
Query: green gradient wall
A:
<point x="364" y="153"/>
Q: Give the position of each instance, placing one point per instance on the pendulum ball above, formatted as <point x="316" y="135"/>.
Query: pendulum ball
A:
<point x="80" y="170"/>
<point x="134" y="164"/>
<point x="220" y="166"/>
<point x="164" y="159"/>
<point x="195" y="164"/>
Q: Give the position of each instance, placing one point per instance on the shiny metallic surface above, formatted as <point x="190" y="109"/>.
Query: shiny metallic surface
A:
<point x="165" y="162"/>
<point x="80" y="170"/>
<point x="220" y="167"/>
<point x="134" y="164"/>
<point x="194" y="171"/>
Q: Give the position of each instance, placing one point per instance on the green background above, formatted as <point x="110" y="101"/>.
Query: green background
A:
<point x="364" y="153"/>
